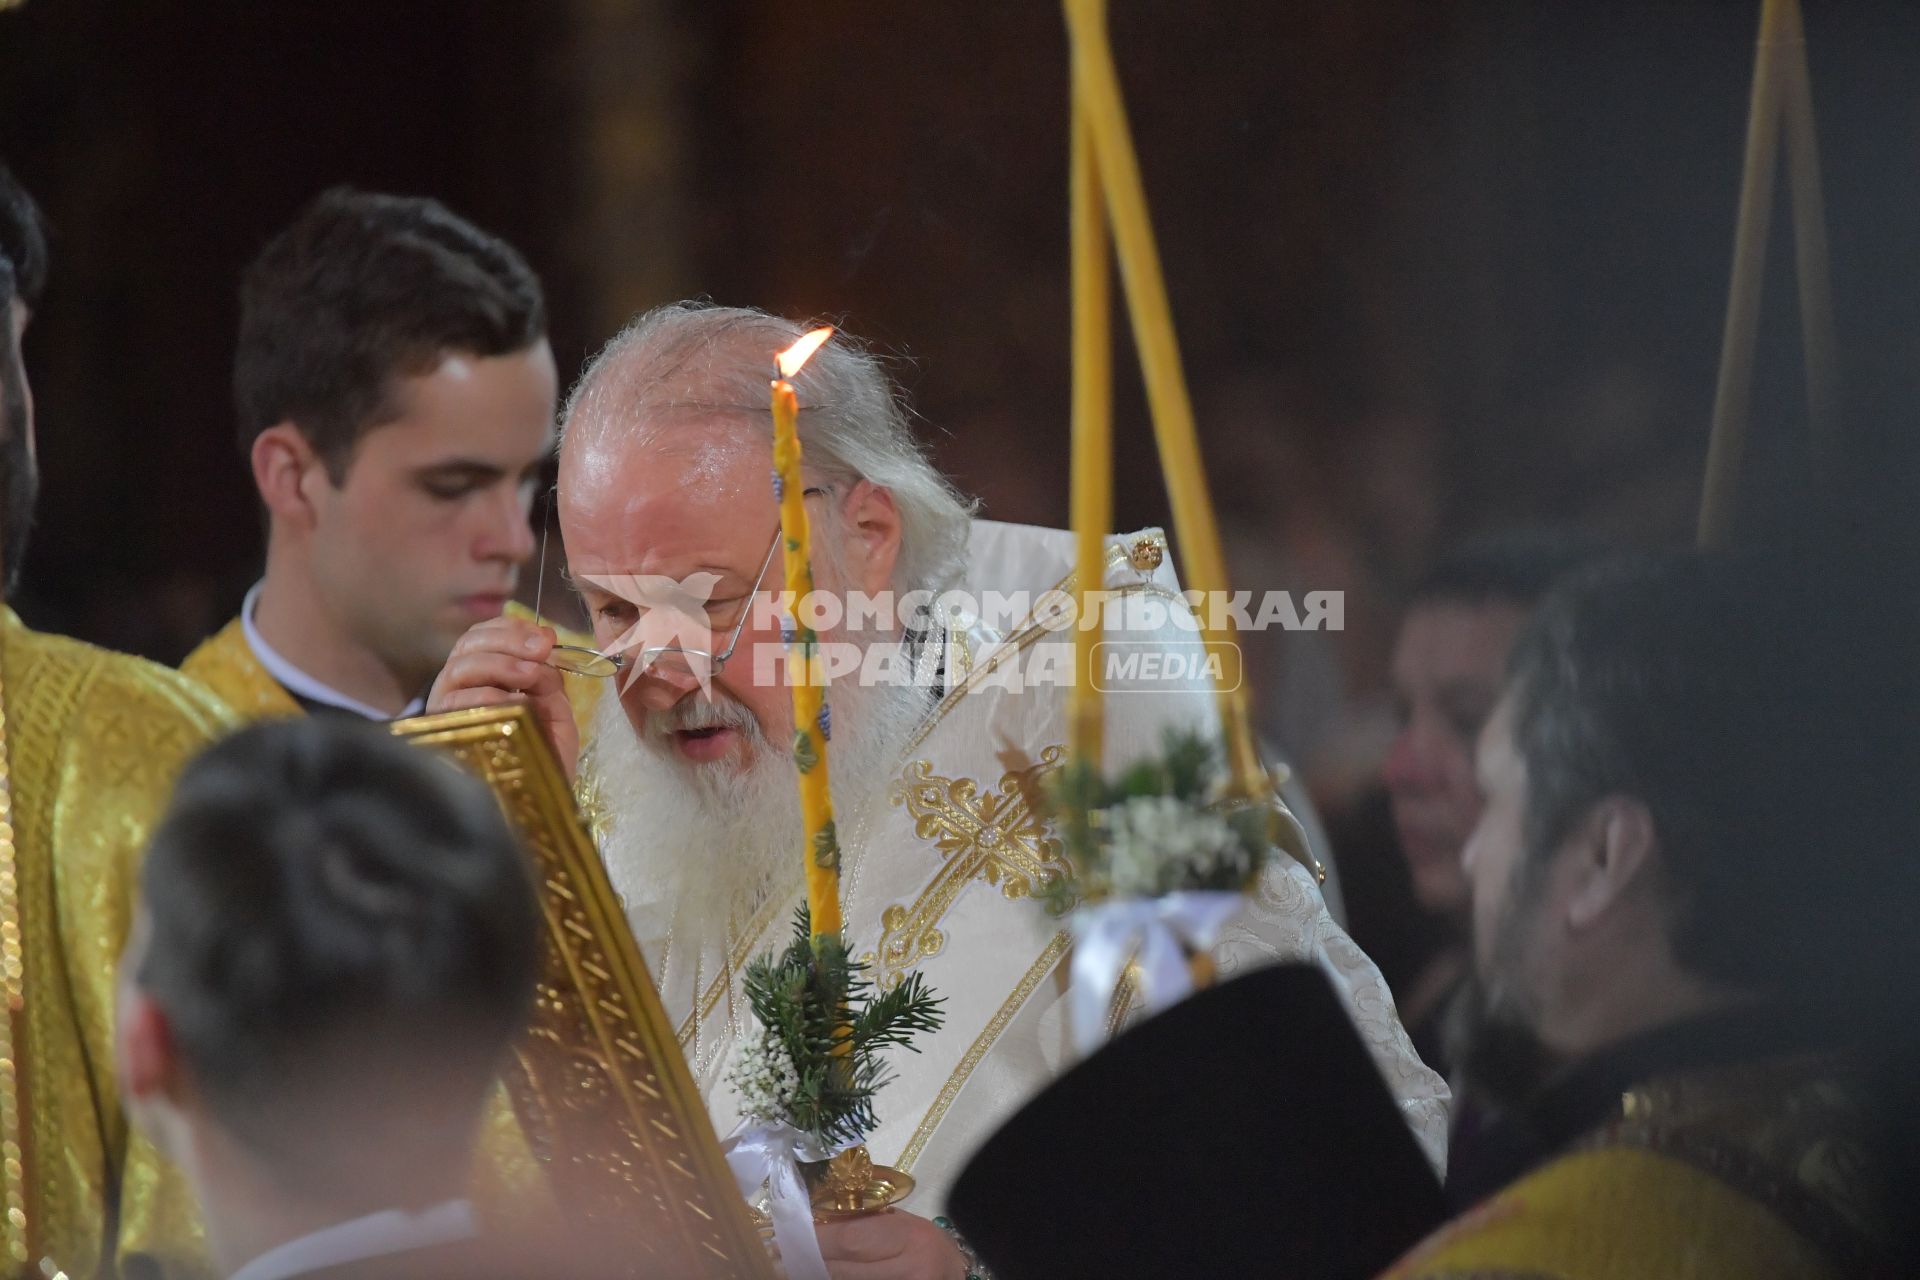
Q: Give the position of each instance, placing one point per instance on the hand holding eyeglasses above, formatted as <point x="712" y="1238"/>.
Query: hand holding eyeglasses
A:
<point x="505" y="660"/>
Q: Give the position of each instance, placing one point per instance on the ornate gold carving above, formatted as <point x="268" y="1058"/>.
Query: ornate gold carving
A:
<point x="598" y="1080"/>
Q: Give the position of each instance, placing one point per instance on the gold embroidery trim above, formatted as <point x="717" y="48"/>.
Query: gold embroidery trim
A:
<point x="1026" y="634"/>
<point x="1122" y="1003"/>
<point x="982" y="1044"/>
<point x="993" y="837"/>
<point x="927" y="940"/>
<point x="722" y="985"/>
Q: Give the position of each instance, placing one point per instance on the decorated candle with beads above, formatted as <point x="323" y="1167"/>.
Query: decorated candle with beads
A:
<point x="806" y="670"/>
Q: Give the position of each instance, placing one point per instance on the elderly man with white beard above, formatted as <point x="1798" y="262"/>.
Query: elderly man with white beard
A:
<point x="664" y="476"/>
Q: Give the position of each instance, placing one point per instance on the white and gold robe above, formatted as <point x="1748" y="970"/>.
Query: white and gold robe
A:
<point x="940" y="875"/>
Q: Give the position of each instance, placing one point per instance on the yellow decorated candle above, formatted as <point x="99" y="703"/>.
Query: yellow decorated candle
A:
<point x="1092" y="499"/>
<point x="1098" y="110"/>
<point x="806" y="669"/>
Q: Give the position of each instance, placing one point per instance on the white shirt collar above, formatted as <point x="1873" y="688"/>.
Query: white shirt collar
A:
<point x="298" y="682"/>
<point x="374" y="1236"/>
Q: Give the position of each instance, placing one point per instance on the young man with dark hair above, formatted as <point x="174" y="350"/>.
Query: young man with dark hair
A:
<point x="93" y="741"/>
<point x="1691" y="891"/>
<point x="396" y="395"/>
<point x="335" y="948"/>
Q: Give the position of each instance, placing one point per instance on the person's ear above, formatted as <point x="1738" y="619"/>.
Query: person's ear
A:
<point x="873" y="531"/>
<point x="1615" y="846"/>
<point x="155" y="1089"/>
<point x="285" y="468"/>
<point x="148" y="1065"/>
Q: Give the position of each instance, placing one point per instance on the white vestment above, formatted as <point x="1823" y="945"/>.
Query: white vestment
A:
<point x="940" y="875"/>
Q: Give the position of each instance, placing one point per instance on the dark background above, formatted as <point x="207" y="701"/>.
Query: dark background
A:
<point x="1437" y="268"/>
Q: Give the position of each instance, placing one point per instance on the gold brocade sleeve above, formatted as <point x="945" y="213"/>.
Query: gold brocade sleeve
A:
<point x="1618" y="1214"/>
<point x="96" y="741"/>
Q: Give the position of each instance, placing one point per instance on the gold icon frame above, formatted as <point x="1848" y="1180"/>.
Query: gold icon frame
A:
<point x="598" y="1080"/>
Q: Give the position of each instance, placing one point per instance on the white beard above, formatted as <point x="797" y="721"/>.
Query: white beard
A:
<point x="694" y="849"/>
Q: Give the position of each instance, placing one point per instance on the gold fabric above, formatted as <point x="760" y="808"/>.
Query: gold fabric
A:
<point x="1755" y="1172"/>
<point x="96" y="740"/>
<point x="508" y="1183"/>
<point x="224" y="663"/>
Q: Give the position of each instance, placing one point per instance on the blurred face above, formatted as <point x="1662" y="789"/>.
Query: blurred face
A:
<point x="1499" y="1046"/>
<point x="692" y="506"/>
<point x="426" y="534"/>
<point x="1447" y="671"/>
<point x="1495" y="848"/>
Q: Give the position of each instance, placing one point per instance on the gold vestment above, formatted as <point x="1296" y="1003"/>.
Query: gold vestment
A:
<point x="96" y="740"/>
<point x="1753" y="1171"/>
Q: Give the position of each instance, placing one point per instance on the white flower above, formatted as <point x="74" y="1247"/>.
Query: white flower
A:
<point x="1159" y="845"/>
<point x="765" y="1080"/>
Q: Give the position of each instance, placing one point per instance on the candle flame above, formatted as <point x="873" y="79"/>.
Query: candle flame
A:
<point x="795" y="356"/>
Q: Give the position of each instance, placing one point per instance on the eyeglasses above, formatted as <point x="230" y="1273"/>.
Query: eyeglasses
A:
<point x="671" y="659"/>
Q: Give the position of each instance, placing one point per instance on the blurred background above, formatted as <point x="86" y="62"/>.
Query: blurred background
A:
<point x="1438" y="269"/>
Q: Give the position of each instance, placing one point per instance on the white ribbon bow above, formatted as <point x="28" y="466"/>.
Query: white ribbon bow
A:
<point x="1149" y="932"/>
<point x="770" y="1154"/>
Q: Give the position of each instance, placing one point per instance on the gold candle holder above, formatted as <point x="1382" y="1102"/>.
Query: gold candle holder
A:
<point x="851" y="1185"/>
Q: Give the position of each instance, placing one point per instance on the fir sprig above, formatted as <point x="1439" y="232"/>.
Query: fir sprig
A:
<point x="1159" y="827"/>
<point x="816" y="1005"/>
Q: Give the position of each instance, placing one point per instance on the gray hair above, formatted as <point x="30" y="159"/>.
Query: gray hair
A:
<point x="686" y="359"/>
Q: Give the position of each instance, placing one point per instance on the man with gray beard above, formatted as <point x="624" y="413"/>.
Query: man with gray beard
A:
<point x="670" y="529"/>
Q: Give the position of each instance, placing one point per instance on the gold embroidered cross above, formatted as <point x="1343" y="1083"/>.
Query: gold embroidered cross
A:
<point x="991" y="835"/>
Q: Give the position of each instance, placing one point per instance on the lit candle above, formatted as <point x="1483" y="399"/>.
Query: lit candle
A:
<point x="806" y="670"/>
<point x="1092" y="497"/>
<point x="1097" y="97"/>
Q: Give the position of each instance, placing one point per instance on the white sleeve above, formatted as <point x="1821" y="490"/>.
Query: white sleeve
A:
<point x="1286" y="919"/>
